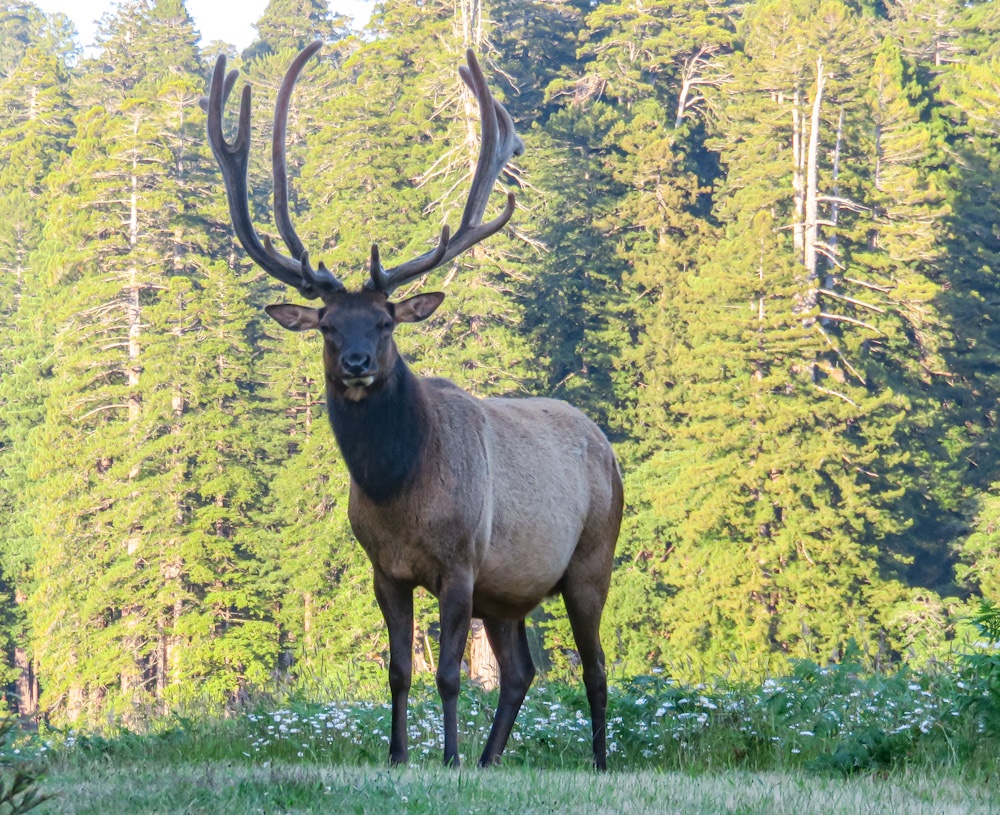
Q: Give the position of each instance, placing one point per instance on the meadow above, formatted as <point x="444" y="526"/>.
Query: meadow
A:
<point x="823" y="739"/>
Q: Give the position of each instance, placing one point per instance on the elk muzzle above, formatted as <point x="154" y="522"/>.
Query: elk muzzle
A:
<point x="358" y="369"/>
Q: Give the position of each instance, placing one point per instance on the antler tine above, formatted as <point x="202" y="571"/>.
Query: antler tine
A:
<point x="387" y="281"/>
<point x="498" y="144"/>
<point x="321" y="279"/>
<point x="233" y="160"/>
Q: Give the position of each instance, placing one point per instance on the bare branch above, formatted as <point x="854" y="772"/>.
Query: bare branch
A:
<point x="101" y="410"/>
<point x="852" y="300"/>
<point x="851" y="369"/>
<point x="821" y="389"/>
<point x="829" y="252"/>
<point x="883" y="289"/>
<point x="843" y="319"/>
<point x="847" y="203"/>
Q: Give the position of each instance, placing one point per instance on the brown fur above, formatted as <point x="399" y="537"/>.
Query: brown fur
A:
<point x="507" y="501"/>
<point x="490" y="504"/>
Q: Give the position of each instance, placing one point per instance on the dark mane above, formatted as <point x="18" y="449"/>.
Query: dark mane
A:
<point x="380" y="436"/>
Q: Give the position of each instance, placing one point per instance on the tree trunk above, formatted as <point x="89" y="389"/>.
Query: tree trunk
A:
<point x="26" y="683"/>
<point x="174" y="644"/>
<point x="423" y="659"/>
<point x="74" y="697"/>
<point x="811" y="231"/>
<point x="132" y="307"/>
<point x="470" y="17"/>
<point x="798" y="183"/>
<point x="483" y="668"/>
<point x="828" y="283"/>
<point x="131" y="676"/>
<point x="308" y="635"/>
<point x="682" y="100"/>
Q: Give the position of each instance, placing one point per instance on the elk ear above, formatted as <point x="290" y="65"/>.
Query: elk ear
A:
<point x="417" y="308"/>
<point x="294" y="318"/>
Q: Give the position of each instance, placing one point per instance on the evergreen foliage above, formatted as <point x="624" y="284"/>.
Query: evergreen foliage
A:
<point x="756" y="242"/>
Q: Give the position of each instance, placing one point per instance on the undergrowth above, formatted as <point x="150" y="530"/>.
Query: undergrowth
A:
<point x="823" y="719"/>
<point x="19" y="774"/>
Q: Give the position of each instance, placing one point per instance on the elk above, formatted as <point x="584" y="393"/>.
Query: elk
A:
<point x="489" y="504"/>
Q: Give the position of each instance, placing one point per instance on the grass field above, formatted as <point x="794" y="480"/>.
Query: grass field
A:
<point x="105" y="788"/>
<point x="822" y="739"/>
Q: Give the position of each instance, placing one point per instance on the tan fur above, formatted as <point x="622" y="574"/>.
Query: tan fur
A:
<point x="505" y="493"/>
<point x="507" y="501"/>
<point x="491" y="504"/>
<point x="514" y="500"/>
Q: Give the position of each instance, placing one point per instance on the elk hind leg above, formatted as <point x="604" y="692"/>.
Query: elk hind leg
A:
<point x="585" y="591"/>
<point x="509" y="640"/>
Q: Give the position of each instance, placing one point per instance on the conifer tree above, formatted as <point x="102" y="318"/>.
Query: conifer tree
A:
<point x="24" y="26"/>
<point x="147" y="455"/>
<point x="757" y="242"/>
<point x="34" y="131"/>
<point x="979" y="568"/>
<point x="772" y="491"/>
<point x="780" y="433"/>
<point x="521" y="32"/>
<point x="632" y="232"/>
<point x="968" y="99"/>
<point x="290" y="25"/>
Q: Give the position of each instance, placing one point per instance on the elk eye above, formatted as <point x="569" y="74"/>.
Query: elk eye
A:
<point x="385" y="326"/>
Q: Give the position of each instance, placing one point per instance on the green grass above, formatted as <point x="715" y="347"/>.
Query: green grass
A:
<point x="225" y="788"/>
<point x="821" y="739"/>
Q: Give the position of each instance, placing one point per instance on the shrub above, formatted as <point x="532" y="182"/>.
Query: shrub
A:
<point x="19" y="790"/>
<point x="983" y="667"/>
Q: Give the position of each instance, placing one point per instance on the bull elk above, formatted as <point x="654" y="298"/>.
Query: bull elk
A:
<point x="489" y="504"/>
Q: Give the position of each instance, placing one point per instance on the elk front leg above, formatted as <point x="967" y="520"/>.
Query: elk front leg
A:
<point x="455" y="602"/>
<point x="396" y="602"/>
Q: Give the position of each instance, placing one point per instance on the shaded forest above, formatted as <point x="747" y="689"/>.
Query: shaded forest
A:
<point x="758" y="242"/>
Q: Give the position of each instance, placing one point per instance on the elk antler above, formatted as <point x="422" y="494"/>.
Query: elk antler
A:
<point x="233" y="159"/>
<point x="498" y="144"/>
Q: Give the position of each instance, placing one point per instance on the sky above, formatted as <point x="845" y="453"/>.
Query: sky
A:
<point x="227" y="20"/>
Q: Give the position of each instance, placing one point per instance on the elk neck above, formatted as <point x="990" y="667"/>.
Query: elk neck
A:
<point x="381" y="436"/>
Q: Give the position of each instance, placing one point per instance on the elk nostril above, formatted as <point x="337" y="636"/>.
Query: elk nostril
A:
<point x="356" y="363"/>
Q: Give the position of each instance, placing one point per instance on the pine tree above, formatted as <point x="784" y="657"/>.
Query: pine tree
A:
<point x="290" y="25"/>
<point x="147" y="455"/>
<point x="644" y="66"/>
<point x="665" y="50"/>
<point x="779" y="423"/>
<point x="34" y="131"/>
<point x="521" y="32"/>
<point x="773" y="492"/>
<point x="967" y="97"/>
<point x="24" y="26"/>
<point x="979" y="568"/>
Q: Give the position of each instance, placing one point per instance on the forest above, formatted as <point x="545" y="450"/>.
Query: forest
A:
<point x="758" y="242"/>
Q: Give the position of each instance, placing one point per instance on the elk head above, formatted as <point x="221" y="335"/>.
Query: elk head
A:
<point x="356" y="326"/>
<point x="359" y="352"/>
